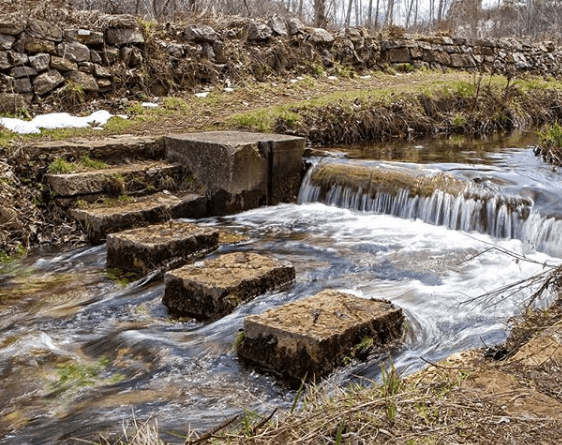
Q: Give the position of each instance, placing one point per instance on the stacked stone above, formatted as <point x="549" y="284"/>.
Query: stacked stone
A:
<point x="37" y="57"/>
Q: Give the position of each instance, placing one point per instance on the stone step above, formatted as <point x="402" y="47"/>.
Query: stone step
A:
<point x="313" y="336"/>
<point x="214" y="288"/>
<point x="117" y="180"/>
<point x="113" y="149"/>
<point x="161" y="246"/>
<point x="100" y="220"/>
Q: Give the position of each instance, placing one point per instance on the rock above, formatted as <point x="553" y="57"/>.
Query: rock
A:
<point x="208" y="52"/>
<point x="130" y="56"/>
<point x="175" y="51"/>
<point x="74" y="51"/>
<point x="23" y="71"/>
<point x="6" y="41"/>
<point x="33" y="46"/>
<point x="63" y="65"/>
<point x="23" y="85"/>
<point x="11" y="25"/>
<point x="161" y="246"/>
<point x="320" y="36"/>
<point x="86" y="67"/>
<point x="45" y="82"/>
<point x="40" y="62"/>
<point x="295" y="26"/>
<point x="313" y="336"/>
<point x="101" y="71"/>
<point x="399" y="55"/>
<point x="42" y="30"/>
<point x="123" y="36"/>
<point x="118" y="21"/>
<point x="13" y="103"/>
<point x="278" y="26"/>
<point x="110" y="55"/>
<point x="95" y="57"/>
<point x="200" y="34"/>
<point x="6" y="83"/>
<point x="214" y="288"/>
<point x="241" y="170"/>
<point x="84" y="36"/>
<point x="83" y="80"/>
<point x="17" y="59"/>
<point x="157" y="208"/>
<point x="5" y="62"/>
<point x="104" y="85"/>
<point x="259" y="32"/>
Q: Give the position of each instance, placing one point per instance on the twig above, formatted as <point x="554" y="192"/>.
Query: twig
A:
<point x="210" y="433"/>
<point x="263" y="422"/>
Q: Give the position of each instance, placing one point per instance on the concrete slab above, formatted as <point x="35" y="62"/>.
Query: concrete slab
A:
<point x="161" y="246"/>
<point x="315" y="335"/>
<point x="213" y="288"/>
<point x="241" y="170"/>
<point x="98" y="221"/>
<point x="155" y="175"/>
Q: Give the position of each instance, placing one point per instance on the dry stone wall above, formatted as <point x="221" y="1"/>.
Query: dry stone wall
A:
<point x="39" y="59"/>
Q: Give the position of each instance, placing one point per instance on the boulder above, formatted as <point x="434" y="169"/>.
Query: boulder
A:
<point x="34" y="46"/>
<point x="399" y="55"/>
<point x="17" y="59"/>
<point x="11" y="25"/>
<point x="47" y="81"/>
<point x="124" y="36"/>
<point x="320" y="36"/>
<point x="43" y="30"/>
<point x="278" y="26"/>
<point x="83" y="80"/>
<point x="6" y="41"/>
<point x="74" y="51"/>
<point x="84" y="36"/>
<point x="23" y="85"/>
<point x="5" y="62"/>
<point x="40" y="61"/>
<point x="23" y="71"/>
<point x="162" y="246"/>
<point x="313" y="336"/>
<point x="6" y="83"/>
<point x="214" y="288"/>
<point x="259" y="32"/>
<point x="62" y="65"/>
<point x="295" y="26"/>
<point x="200" y="34"/>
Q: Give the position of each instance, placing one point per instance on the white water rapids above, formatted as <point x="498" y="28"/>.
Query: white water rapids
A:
<point x="186" y="375"/>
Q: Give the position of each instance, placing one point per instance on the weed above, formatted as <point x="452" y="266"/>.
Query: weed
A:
<point x="238" y="340"/>
<point x="120" y="277"/>
<point x="61" y="166"/>
<point x="94" y="164"/>
<point x="551" y="137"/>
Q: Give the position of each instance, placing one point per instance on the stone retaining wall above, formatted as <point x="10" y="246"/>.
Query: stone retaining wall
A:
<point x="39" y="59"/>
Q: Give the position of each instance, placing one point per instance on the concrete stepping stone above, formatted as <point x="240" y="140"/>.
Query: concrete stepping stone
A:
<point x="241" y="170"/>
<point x="214" y="287"/>
<point x="161" y="246"/>
<point x="98" y="221"/>
<point x="116" y="180"/>
<point x="315" y="335"/>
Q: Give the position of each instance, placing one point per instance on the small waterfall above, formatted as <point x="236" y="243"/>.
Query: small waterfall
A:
<point x="473" y="208"/>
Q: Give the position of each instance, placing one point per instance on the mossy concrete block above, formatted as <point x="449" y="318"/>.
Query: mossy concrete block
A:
<point x="159" y="246"/>
<point x="214" y="288"/>
<point x="241" y="170"/>
<point x="313" y="336"/>
<point x="101" y="220"/>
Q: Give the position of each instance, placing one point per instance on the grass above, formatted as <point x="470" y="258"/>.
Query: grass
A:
<point x="61" y="166"/>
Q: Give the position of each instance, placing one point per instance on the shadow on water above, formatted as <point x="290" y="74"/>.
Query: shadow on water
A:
<point x="81" y="354"/>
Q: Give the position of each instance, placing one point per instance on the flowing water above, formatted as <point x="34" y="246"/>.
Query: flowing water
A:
<point x="80" y="354"/>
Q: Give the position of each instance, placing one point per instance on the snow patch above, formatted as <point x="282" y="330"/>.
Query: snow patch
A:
<point x="53" y="121"/>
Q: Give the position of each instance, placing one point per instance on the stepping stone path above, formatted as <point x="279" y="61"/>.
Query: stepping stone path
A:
<point x="214" y="288"/>
<point x="151" y="182"/>
<point x="313" y="336"/>
<point x="166" y="245"/>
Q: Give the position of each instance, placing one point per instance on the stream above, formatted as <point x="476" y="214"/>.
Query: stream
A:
<point x="81" y="354"/>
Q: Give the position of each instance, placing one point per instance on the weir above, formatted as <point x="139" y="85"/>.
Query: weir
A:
<point x="434" y="198"/>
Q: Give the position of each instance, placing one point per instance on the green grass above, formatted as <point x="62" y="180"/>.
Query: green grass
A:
<point x="551" y="137"/>
<point x="61" y="166"/>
